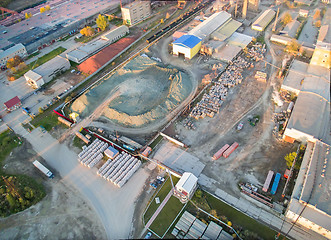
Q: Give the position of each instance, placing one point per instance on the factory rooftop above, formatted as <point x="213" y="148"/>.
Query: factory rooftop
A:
<point x="296" y="74"/>
<point x="207" y="27"/>
<point x="188" y="41"/>
<point x="226" y="30"/>
<point x="313" y="186"/>
<point x="311" y="113"/>
<point x="40" y="24"/>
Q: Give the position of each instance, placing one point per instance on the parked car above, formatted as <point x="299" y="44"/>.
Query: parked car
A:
<point x="148" y="235"/>
<point x="160" y="178"/>
<point x="153" y="185"/>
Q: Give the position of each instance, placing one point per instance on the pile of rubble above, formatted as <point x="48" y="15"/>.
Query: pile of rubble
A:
<point x="232" y="76"/>
<point x="256" y="52"/>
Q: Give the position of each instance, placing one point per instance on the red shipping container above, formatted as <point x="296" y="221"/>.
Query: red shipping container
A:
<point x="220" y="152"/>
<point x="230" y="149"/>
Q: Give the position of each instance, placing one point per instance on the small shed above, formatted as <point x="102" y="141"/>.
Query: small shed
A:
<point x="186" y="186"/>
<point x="111" y="152"/>
<point x="187" y="46"/>
<point x="13" y="104"/>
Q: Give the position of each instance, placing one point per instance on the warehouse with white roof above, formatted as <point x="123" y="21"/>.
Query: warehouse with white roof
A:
<point x="210" y="25"/>
<point x="310" y="204"/>
<point x="46" y="72"/>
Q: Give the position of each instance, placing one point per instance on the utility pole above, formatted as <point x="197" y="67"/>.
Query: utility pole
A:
<point x="274" y="27"/>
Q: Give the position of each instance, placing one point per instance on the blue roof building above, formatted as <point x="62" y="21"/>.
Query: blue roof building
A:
<point x="187" y="46"/>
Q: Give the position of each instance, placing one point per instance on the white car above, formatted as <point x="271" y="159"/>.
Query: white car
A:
<point x="160" y="178"/>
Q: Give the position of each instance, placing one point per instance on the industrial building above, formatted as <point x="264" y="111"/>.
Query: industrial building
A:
<point x="295" y="76"/>
<point x="226" y="30"/>
<point x="321" y="56"/>
<point x="44" y="28"/>
<point x="310" y="204"/>
<point x="309" y="120"/>
<point x="115" y="34"/>
<point x="187" y="46"/>
<point x="13" y="104"/>
<point x="16" y="50"/>
<point x="210" y="25"/>
<point x="46" y="72"/>
<point x="83" y="52"/>
<point x="136" y="12"/>
<point x="186" y="187"/>
<point x="290" y="30"/>
<point x="263" y="20"/>
<point x="189" y="227"/>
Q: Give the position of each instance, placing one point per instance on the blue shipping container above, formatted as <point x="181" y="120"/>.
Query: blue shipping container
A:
<point x="275" y="184"/>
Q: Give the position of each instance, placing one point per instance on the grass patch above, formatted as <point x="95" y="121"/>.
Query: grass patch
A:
<point x="77" y="142"/>
<point x="166" y="216"/>
<point x="116" y="21"/>
<point x="8" y="141"/>
<point x="156" y="142"/>
<point x="241" y="222"/>
<point x="166" y="187"/>
<point x="66" y="37"/>
<point x="40" y="61"/>
<point x="33" y="55"/>
<point x="48" y="121"/>
<point x="17" y="192"/>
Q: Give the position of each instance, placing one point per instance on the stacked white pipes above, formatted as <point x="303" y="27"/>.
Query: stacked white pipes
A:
<point x="119" y="170"/>
<point x="92" y="154"/>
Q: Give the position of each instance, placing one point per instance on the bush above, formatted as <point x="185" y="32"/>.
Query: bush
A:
<point x="40" y="110"/>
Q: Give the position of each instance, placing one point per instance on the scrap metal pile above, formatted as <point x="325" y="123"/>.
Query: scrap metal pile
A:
<point x="212" y="101"/>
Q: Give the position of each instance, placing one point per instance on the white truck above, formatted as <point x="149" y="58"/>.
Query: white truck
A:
<point x="43" y="169"/>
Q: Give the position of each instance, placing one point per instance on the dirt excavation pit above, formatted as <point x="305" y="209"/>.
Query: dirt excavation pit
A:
<point x="141" y="92"/>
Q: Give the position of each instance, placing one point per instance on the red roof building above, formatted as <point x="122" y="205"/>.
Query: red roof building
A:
<point x="93" y="63"/>
<point x="13" y="104"/>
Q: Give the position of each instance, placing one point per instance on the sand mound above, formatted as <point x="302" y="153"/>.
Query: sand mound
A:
<point x="140" y="92"/>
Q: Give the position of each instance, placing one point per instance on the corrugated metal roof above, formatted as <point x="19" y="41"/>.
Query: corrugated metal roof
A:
<point x="12" y="102"/>
<point x="212" y="231"/>
<point x="208" y="26"/>
<point x="115" y="32"/>
<point x="111" y="152"/>
<point x="264" y="19"/>
<point x="226" y="30"/>
<point x="11" y="50"/>
<point x="189" y="41"/>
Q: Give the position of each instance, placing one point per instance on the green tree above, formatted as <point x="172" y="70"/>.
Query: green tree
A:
<point x="289" y="158"/>
<point x="11" y="201"/>
<point x="102" y="22"/>
<point x="42" y="10"/>
<point x="286" y="19"/>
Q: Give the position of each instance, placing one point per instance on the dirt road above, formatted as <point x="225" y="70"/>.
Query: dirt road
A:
<point x="113" y="206"/>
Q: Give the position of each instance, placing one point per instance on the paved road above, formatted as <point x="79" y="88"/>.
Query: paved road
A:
<point x="114" y="206"/>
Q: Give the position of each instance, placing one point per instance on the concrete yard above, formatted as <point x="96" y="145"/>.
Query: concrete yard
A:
<point x="177" y="159"/>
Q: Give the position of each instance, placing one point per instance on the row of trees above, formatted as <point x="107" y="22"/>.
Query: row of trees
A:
<point x="101" y="22"/>
<point x="44" y="9"/>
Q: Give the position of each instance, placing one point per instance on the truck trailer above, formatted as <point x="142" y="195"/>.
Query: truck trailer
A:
<point x="43" y="169"/>
<point x="230" y="149"/>
<point x="275" y="184"/>
<point x="268" y="181"/>
<point x="220" y="152"/>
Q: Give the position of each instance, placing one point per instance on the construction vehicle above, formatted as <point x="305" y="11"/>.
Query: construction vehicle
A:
<point x="254" y="120"/>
